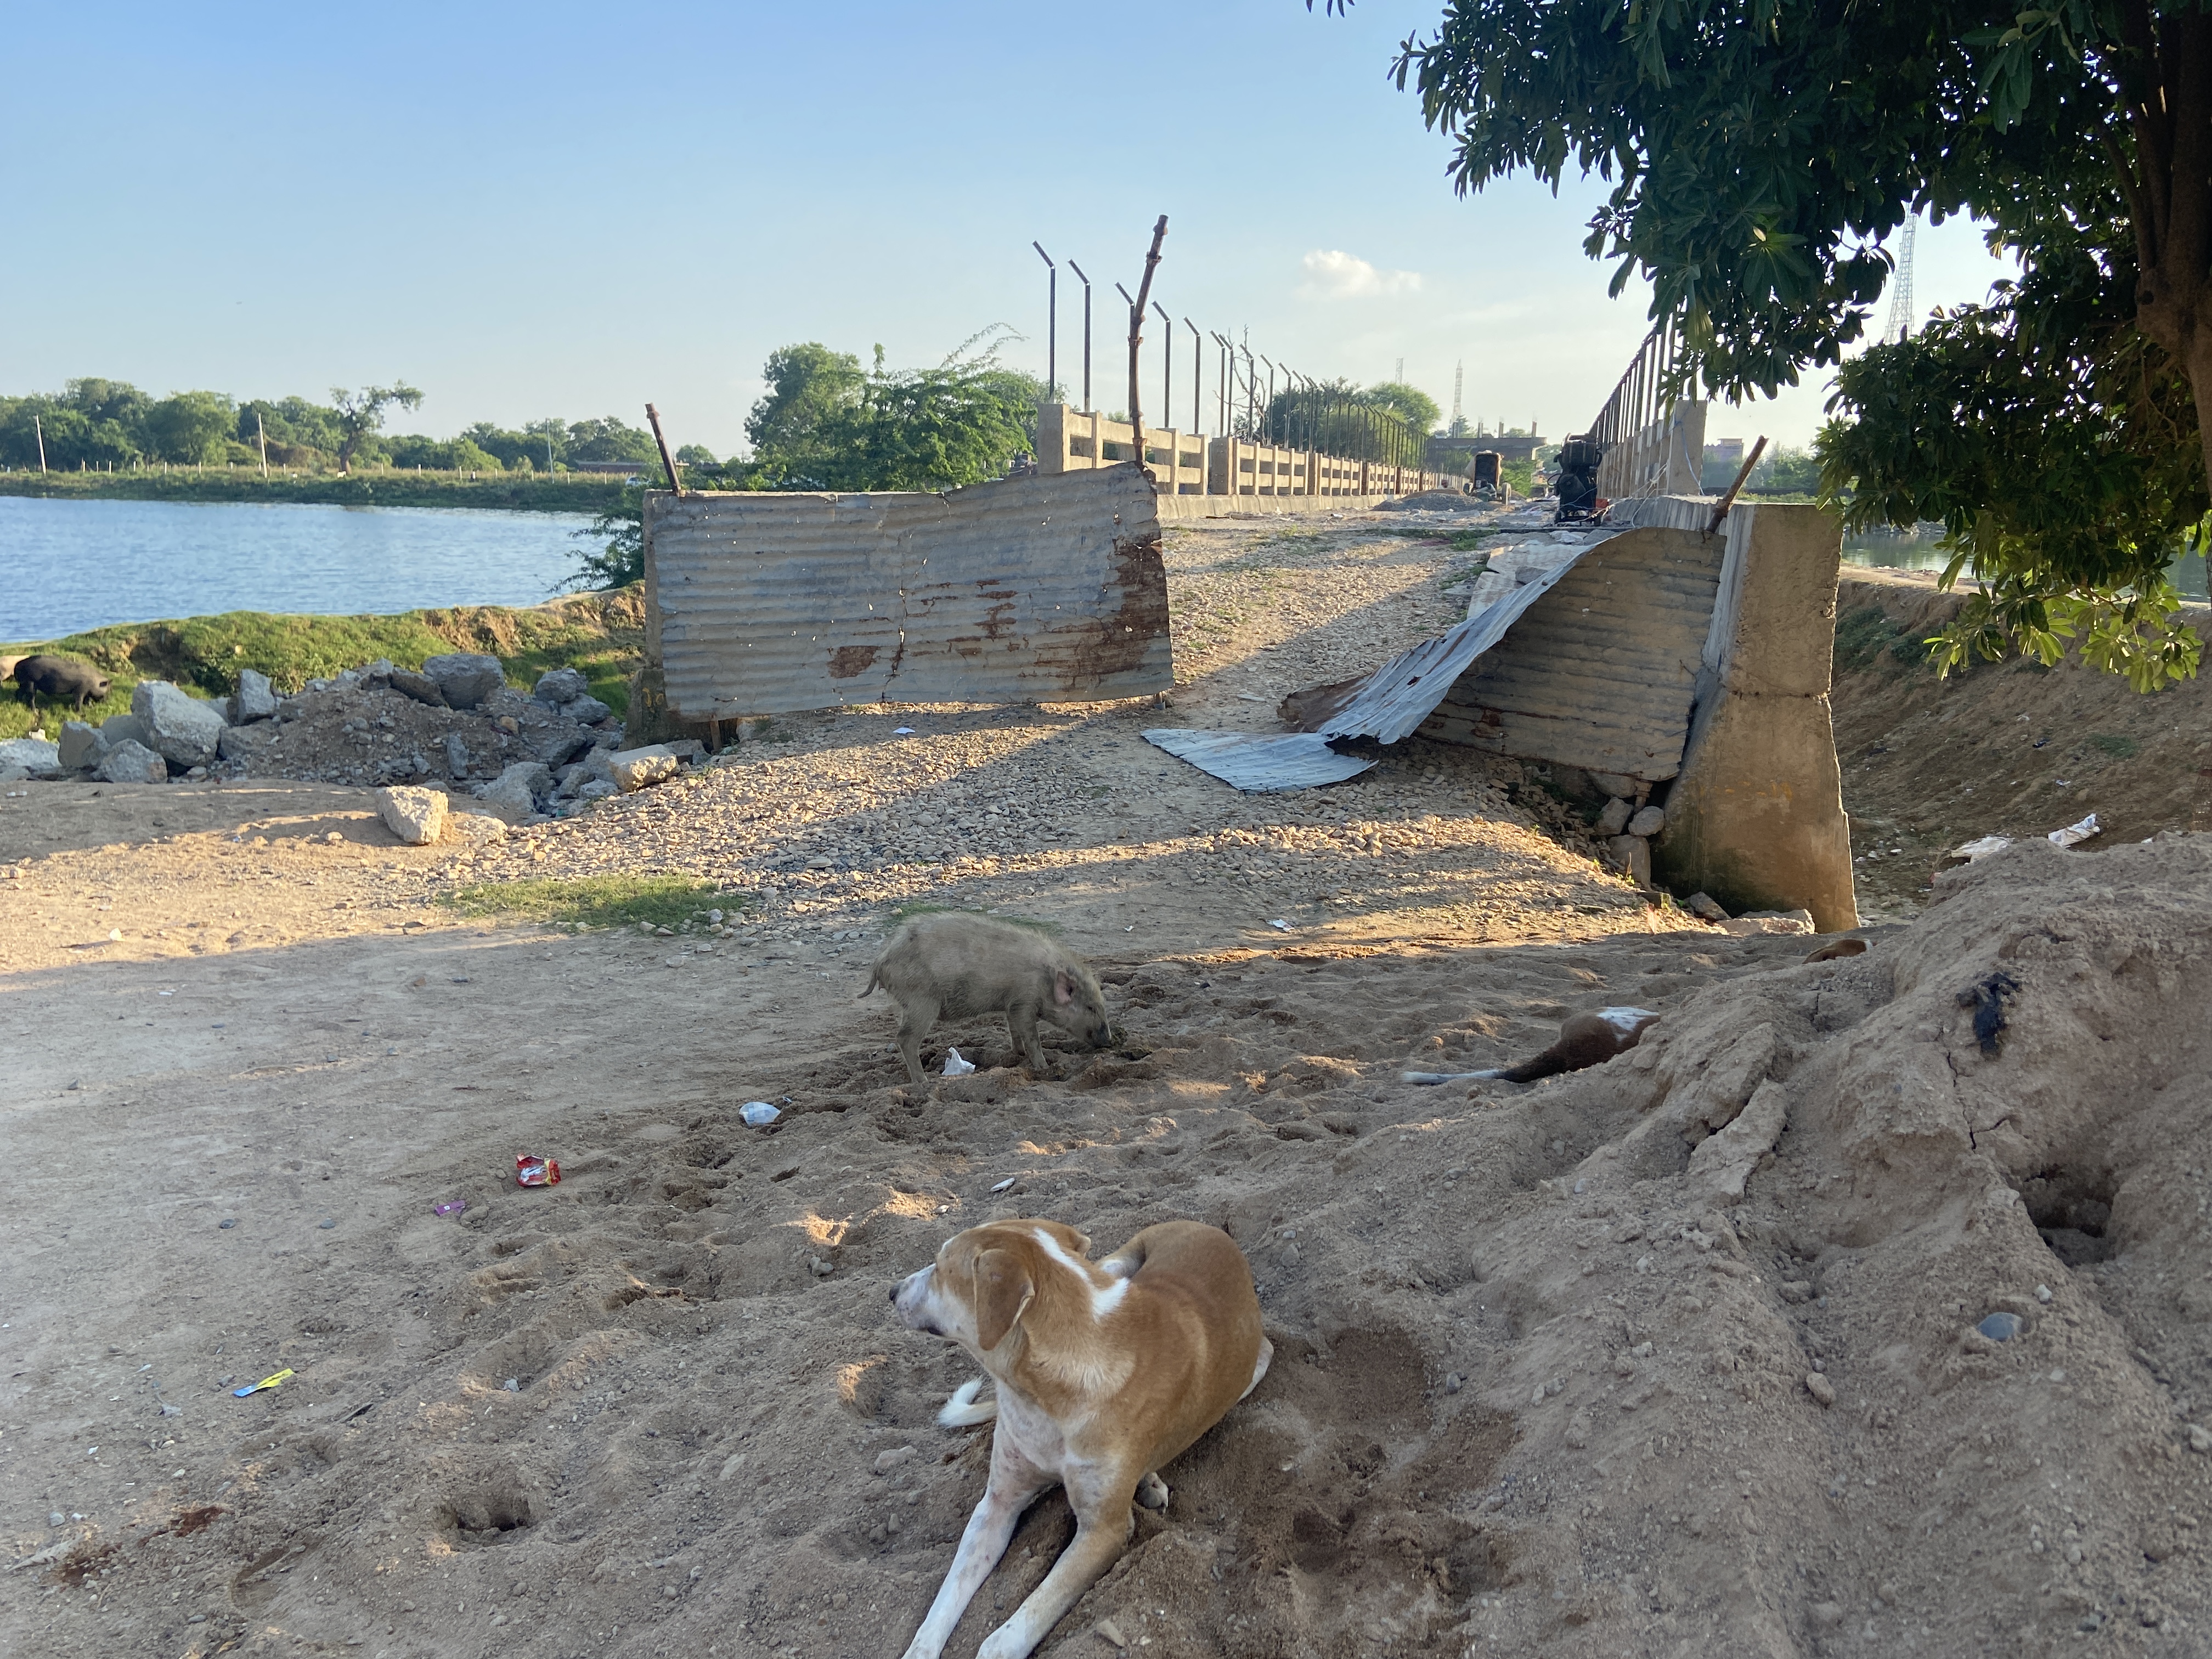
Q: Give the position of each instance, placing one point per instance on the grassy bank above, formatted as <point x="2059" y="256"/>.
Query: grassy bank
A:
<point x="555" y="492"/>
<point x="600" y="634"/>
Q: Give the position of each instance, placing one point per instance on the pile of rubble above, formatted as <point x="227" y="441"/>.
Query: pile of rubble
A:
<point x="457" y="727"/>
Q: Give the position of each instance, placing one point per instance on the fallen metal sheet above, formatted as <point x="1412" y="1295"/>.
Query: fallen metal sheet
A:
<point x="1041" y="588"/>
<point x="1600" y="673"/>
<point x="1260" y="763"/>
<point x="1387" y="704"/>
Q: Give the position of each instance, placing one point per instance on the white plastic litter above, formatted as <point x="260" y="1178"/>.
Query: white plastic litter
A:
<point x="1003" y="1185"/>
<point x="757" y="1112"/>
<point x="1280" y="925"/>
<point x="955" y="1066"/>
<point x="902" y="730"/>
<point x="2073" y="834"/>
<point x="1983" y="848"/>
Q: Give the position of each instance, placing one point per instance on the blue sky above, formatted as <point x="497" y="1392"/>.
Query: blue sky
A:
<point x="569" y="209"/>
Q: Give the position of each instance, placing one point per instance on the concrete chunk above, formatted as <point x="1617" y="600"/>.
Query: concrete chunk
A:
<point x="586" y="711"/>
<point x="1649" y="821"/>
<point x="131" y="762"/>
<point x="35" y="756"/>
<point x="82" y="746"/>
<point x="417" y="816"/>
<point x="557" y="686"/>
<point x="123" y="728"/>
<point x="256" y="699"/>
<point x="1631" y="854"/>
<point x="179" y="728"/>
<point x="634" y="769"/>
<point x="1614" y="818"/>
<point x="464" y="678"/>
<point x="420" y="687"/>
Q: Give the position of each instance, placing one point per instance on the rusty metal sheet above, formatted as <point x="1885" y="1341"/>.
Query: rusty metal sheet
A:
<point x="1602" y="674"/>
<point x="1260" y="763"/>
<point x="1041" y="588"/>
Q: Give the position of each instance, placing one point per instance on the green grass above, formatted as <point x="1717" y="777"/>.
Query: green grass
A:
<point x="561" y="492"/>
<point x="600" y="634"/>
<point x="2119" y="748"/>
<point x="670" y="901"/>
<point x="1465" y="541"/>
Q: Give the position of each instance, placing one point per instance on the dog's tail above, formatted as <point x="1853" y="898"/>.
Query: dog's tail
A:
<point x="871" y="990"/>
<point x="962" y="1412"/>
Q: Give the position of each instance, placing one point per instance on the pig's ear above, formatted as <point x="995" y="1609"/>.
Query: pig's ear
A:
<point x="1063" y="987"/>
<point x="1003" y="1293"/>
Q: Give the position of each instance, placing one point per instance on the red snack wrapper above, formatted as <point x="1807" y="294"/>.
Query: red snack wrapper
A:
<point x="531" y="1170"/>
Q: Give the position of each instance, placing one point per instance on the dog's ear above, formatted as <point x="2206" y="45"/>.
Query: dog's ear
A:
<point x="1003" y="1293"/>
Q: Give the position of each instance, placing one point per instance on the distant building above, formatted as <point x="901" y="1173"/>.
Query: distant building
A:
<point x="1725" y="452"/>
<point x="618" y="466"/>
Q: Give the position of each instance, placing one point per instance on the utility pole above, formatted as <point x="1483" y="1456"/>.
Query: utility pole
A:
<point x="38" y="426"/>
<point x="1085" y="280"/>
<point x="261" y="434"/>
<point x="1051" y="323"/>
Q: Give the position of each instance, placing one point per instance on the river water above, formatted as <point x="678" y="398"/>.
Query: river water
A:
<point x="68" y="566"/>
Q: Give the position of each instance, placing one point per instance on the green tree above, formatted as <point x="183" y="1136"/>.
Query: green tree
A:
<point x="809" y="386"/>
<point x="611" y="440"/>
<point x="359" y="415"/>
<point x="460" y="454"/>
<point x="1763" y="151"/>
<point x="191" y="426"/>
<point x="1419" y="410"/>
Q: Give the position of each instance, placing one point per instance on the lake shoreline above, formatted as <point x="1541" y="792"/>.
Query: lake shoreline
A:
<point x="513" y="492"/>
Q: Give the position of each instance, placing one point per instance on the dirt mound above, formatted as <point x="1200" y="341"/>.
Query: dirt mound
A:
<point x="1675" y="1356"/>
<point x="2006" y="748"/>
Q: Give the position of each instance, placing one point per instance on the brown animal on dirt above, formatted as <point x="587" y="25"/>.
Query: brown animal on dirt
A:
<point x="959" y="966"/>
<point x="43" y="675"/>
<point x="1105" y="1371"/>
<point x="1585" y="1040"/>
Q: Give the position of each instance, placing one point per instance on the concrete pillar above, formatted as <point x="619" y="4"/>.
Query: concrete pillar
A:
<point x="1756" y="818"/>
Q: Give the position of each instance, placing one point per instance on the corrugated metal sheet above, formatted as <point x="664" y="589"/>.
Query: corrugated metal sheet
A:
<point x="1592" y="664"/>
<point x="1602" y="672"/>
<point x="1260" y="763"/>
<point x="1036" y="588"/>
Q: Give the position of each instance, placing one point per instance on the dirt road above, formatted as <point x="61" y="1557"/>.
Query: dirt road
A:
<point x="661" y="1408"/>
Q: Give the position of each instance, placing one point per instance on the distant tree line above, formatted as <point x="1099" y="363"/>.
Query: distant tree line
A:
<point x="103" y="424"/>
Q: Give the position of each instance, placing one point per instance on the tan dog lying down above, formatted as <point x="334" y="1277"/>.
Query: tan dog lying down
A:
<point x="1106" y="1370"/>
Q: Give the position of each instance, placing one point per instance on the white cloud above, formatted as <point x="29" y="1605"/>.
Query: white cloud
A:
<point x="1332" y="273"/>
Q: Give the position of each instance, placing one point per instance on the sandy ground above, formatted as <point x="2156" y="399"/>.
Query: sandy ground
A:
<point x="1544" y="1356"/>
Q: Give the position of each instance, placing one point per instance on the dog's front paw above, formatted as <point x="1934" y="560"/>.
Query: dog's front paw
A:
<point x="1152" y="1492"/>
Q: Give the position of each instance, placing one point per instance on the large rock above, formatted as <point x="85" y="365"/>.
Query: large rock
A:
<point x="557" y="686"/>
<point x="124" y="728"/>
<point x="1649" y="821"/>
<point x="514" y="795"/>
<point x="35" y="756"/>
<point x="417" y="817"/>
<point x="256" y="699"/>
<point x="82" y="746"/>
<point x="131" y="762"/>
<point x="420" y="687"/>
<point x="1631" y="855"/>
<point x="181" y="729"/>
<point x="560" y="745"/>
<point x="634" y="769"/>
<point x="465" y="678"/>
<point x="469" y="825"/>
<point x="586" y="711"/>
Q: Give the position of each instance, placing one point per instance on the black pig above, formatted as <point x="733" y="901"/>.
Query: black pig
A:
<point x="59" y="677"/>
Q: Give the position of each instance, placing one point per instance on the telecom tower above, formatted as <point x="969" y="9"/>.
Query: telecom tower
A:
<point x="1459" y="380"/>
<point x="1401" y="376"/>
<point x="1901" y="311"/>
